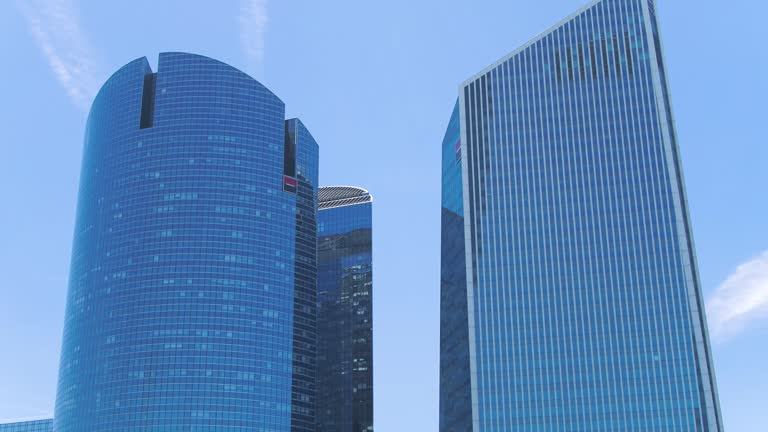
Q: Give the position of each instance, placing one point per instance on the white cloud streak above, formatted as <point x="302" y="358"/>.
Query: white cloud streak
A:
<point x="253" y="29"/>
<point x="55" y="27"/>
<point x="741" y="300"/>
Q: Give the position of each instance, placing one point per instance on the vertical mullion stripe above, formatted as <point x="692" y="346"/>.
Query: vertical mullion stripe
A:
<point x="628" y="53"/>
<point x="597" y="239"/>
<point x="658" y="279"/>
<point x="534" y="314"/>
<point x="561" y="393"/>
<point x="493" y="239"/>
<point x="604" y="52"/>
<point x="621" y="240"/>
<point x="521" y="356"/>
<point x="645" y="147"/>
<point x="508" y="283"/>
<point x="501" y="197"/>
<point x="488" y="252"/>
<point x="471" y="245"/>
<point x="554" y="370"/>
<point x="637" y="355"/>
<point x="569" y="134"/>
<point x="614" y="222"/>
<point x="543" y="277"/>
<point x="530" y="406"/>
<point x="655" y="287"/>
<point x="612" y="225"/>
<point x="481" y="251"/>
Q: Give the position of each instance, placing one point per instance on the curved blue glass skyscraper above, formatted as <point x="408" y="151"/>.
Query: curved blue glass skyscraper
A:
<point x="45" y="425"/>
<point x="570" y="294"/>
<point x="194" y="249"/>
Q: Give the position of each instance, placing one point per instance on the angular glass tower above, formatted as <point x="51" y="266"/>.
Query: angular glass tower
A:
<point x="345" y="332"/>
<point x="191" y="298"/>
<point x="28" y="426"/>
<point x="570" y="294"/>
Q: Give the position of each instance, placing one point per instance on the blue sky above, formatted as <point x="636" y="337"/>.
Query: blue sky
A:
<point x="375" y="82"/>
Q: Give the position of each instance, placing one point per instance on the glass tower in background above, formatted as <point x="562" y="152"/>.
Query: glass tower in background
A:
<point x="455" y="397"/>
<point x="303" y="167"/>
<point x="345" y="333"/>
<point x="570" y="293"/>
<point x="191" y="302"/>
<point x="28" y="426"/>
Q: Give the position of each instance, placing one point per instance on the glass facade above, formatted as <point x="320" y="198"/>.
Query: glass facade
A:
<point x="455" y="396"/>
<point x="583" y="304"/>
<point x="28" y="426"/>
<point x="305" y="265"/>
<point x="189" y="300"/>
<point x="345" y="333"/>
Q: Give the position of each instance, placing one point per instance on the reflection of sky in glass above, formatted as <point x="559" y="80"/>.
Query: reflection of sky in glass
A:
<point x="28" y="426"/>
<point x="345" y="345"/>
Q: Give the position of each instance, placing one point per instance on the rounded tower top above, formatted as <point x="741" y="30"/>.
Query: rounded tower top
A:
<point x="340" y="196"/>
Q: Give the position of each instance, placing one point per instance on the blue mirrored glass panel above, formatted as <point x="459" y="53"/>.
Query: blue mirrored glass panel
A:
<point x="28" y="426"/>
<point x="345" y="311"/>
<point x="455" y="395"/>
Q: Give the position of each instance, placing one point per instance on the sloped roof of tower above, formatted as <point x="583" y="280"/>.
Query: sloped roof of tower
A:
<point x="532" y="41"/>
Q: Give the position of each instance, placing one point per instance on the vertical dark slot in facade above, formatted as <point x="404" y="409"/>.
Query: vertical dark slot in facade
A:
<point x="605" y="59"/>
<point x="290" y="183"/>
<point x="558" y="66"/>
<point x="593" y="59"/>
<point x="628" y="52"/>
<point x="289" y="161"/>
<point x="581" y="62"/>
<point x="616" y="55"/>
<point x="483" y="138"/>
<point x="493" y="81"/>
<point x="570" y="63"/>
<point x="148" y="101"/>
<point x="489" y="80"/>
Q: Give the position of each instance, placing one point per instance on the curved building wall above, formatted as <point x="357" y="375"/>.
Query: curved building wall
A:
<point x="45" y="425"/>
<point x="305" y="287"/>
<point x="180" y="306"/>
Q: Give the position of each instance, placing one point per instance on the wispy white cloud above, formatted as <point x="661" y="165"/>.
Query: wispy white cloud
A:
<point x="55" y="27"/>
<point x="253" y="29"/>
<point x="741" y="300"/>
